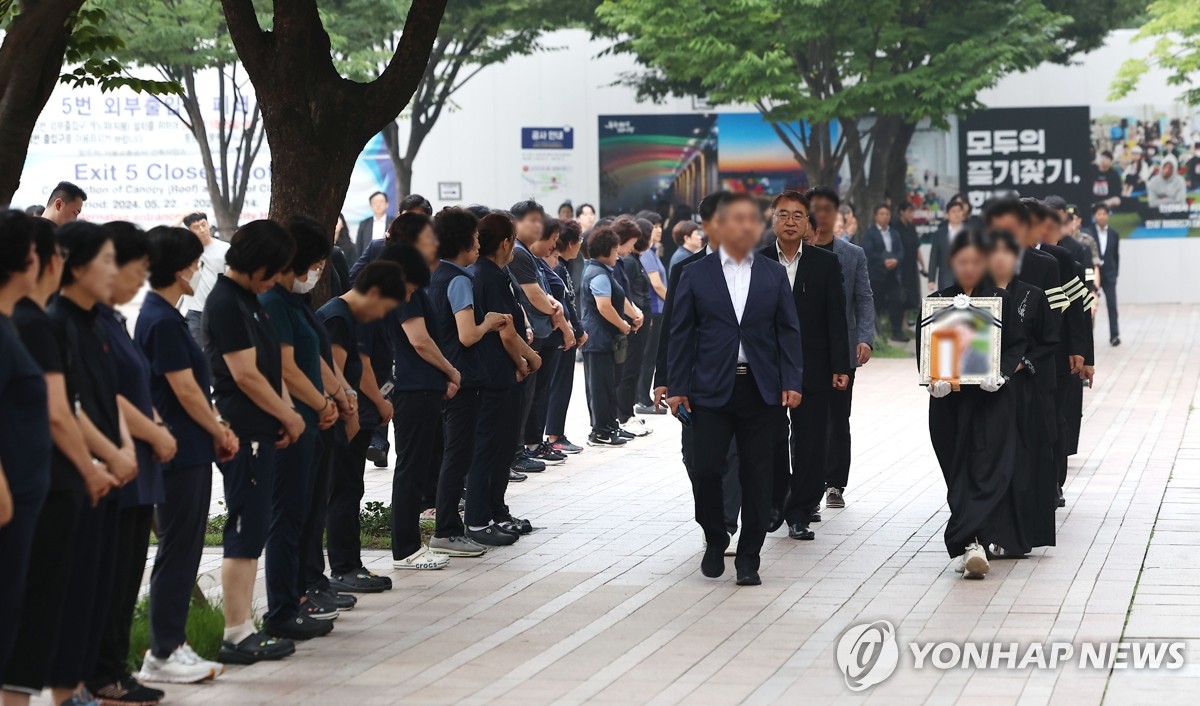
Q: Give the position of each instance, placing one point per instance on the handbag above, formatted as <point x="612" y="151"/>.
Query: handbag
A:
<point x="620" y="349"/>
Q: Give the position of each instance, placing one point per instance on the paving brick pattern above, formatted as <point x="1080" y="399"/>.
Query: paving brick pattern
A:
<point x="606" y="604"/>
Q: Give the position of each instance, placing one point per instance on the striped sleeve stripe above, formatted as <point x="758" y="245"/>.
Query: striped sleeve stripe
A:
<point x="1075" y="289"/>
<point x="1089" y="302"/>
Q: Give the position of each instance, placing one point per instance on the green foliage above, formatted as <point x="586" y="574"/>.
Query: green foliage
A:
<point x="92" y="55"/>
<point x="205" y="630"/>
<point x="170" y="35"/>
<point x="1175" y="24"/>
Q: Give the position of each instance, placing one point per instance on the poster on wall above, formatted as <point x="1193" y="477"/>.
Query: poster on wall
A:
<point x="138" y="162"/>
<point x="547" y="162"/>
<point x="1033" y="152"/>
<point x="649" y="158"/>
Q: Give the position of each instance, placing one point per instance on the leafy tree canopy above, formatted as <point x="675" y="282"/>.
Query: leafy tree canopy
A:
<point x="1175" y="26"/>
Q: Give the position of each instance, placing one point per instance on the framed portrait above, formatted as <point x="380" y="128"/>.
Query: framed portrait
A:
<point x="960" y="339"/>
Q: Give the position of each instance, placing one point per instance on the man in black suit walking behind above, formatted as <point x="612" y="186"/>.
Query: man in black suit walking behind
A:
<point x="735" y="364"/>
<point x="1109" y="243"/>
<point x="815" y="276"/>
<point x="885" y="252"/>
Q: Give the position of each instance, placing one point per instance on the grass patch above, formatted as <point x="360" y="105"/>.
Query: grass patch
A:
<point x="375" y="526"/>
<point x="205" y="629"/>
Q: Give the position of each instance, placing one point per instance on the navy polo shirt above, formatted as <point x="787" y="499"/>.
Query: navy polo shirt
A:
<point x="296" y="327"/>
<point x="24" y="417"/>
<point x="342" y="328"/>
<point x="162" y="334"/>
<point x="412" y="372"/>
<point x="374" y="343"/>
<point x="44" y="341"/>
<point x="233" y="321"/>
<point x="133" y="383"/>
<point x="493" y="290"/>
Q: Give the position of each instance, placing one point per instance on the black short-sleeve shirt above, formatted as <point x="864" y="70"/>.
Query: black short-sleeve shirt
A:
<point x="412" y="372"/>
<point x="44" y="341"/>
<point x="342" y="328"/>
<point x="162" y="334"/>
<point x="234" y="320"/>
<point x="24" y="417"/>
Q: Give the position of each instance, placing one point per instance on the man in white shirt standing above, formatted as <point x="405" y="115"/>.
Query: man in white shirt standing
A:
<point x="212" y="263"/>
<point x="375" y="227"/>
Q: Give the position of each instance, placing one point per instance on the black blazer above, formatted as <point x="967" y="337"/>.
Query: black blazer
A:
<point x="1110" y="262"/>
<point x="821" y="307"/>
<point x="877" y="251"/>
<point x="1041" y="333"/>
<point x="1076" y="335"/>
<point x="705" y="334"/>
<point x="939" y="257"/>
<point x="364" y="232"/>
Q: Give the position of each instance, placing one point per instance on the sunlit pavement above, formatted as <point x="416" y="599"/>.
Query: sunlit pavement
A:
<point x="606" y="603"/>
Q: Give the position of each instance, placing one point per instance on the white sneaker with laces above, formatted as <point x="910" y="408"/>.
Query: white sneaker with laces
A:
<point x="638" y="427"/>
<point x="423" y="560"/>
<point x="975" y="562"/>
<point x="731" y="550"/>
<point x="217" y="667"/>
<point x="183" y="667"/>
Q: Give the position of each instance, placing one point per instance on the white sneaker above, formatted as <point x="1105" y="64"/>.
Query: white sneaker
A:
<point x="731" y="550"/>
<point x="975" y="563"/>
<point x="217" y="667"/>
<point x="423" y="560"/>
<point x="183" y="667"/>
<point x="637" y="427"/>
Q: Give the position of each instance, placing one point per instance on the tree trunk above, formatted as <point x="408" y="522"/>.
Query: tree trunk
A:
<point x="878" y="174"/>
<point x="30" y="65"/>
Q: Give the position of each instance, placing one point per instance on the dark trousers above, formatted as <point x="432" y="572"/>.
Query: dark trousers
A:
<point x="312" y="537"/>
<point x="460" y="417"/>
<point x="89" y="595"/>
<point x="890" y="298"/>
<point x="629" y="373"/>
<point x="535" y="422"/>
<point x="418" y="416"/>
<point x="838" y="449"/>
<point x="427" y="494"/>
<point x="559" y="399"/>
<point x="379" y="438"/>
<point x="1109" y="285"/>
<point x="291" y="503"/>
<point x="498" y="423"/>
<point x="528" y="392"/>
<point x="645" y="382"/>
<point x="755" y="424"/>
<point x="345" y="497"/>
<point x="599" y="375"/>
<point x="799" y="483"/>
<point x="133" y="539"/>
<point x="731" y="489"/>
<point x="16" y="542"/>
<point x="182" y="518"/>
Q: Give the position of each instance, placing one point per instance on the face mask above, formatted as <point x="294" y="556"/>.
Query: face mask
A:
<point x="194" y="280"/>
<point x="305" y="287"/>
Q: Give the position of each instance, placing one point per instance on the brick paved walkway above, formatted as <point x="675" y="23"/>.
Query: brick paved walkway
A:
<point x="607" y="605"/>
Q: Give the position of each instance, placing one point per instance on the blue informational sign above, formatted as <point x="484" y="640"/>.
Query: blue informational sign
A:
<point x="547" y="138"/>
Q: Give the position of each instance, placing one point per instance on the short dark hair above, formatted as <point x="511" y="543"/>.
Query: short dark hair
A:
<point x="682" y="230"/>
<point x="880" y="207"/>
<point x="416" y="202"/>
<point x="377" y="193"/>
<point x="35" y="210"/>
<point x="171" y="249"/>
<point x="407" y="227"/>
<point x="550" y="227"/>
<point x="904" y="207"/>
<point x="708" y="205"/>
<point x="1106" y="153"/>
<point x="196" y="217"/>
<point x="455" y="228"/>
<point x="129" y="241"/>
<point x="416" y="269"/>
<point x="313" y="243"/>
<point x="729" y="199"/>
<point x="479" y="210"/>
<point x="1006" y="207"/>
<point x="569" y="235"/>
<point x="1055" y="203"/>
<point x="47" y="242"/>
<point x="83" y="241"/>
<point x="1004" y="239"/>
<point x="1037" y="210"/>
<point x="790" y="196"/>
<point x="602" y="241"/>
<point x="824" y="192"/>
<point x="626" y="229"/>
<point x="580" y="207"/>
<point x="970" y="237"/>
<point x="16" y="239"/>
<point x="643" y="241"/>
<point x="260" y="245"/>
<point x="494" y="229"/>
<point x="654" y="217"/>
<point x="68" y="192"/>
<point x="386" y="276"/>
<point x="521" y="209"/>
<point x="1100" y="206"/>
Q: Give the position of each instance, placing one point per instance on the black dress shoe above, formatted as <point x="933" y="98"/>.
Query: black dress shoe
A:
<point x="1062" y="499"/>
<point x="713" y="563"/>
<point x="748" y="577"/>
<point x="801" y="531"/>
<point x="816" y="517"/>
<point x="1114" y="341"/>
<point x="776" y="521"/>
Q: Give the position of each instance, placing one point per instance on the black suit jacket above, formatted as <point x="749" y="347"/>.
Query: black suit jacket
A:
<point x="661" y="360"/>
<point x="877" y="251"/>
<point x="364" y="232"/>
<point x="1110" y="264"/>
<point x="1076" y="335"/>
<point x="821" y="306"/>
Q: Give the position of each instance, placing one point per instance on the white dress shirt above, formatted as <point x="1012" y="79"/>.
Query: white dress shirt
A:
<point x="737" y="279"/>
<point x="379" y="228"/>
<point x="793" y="265"/>
<point x="1101" y="240"/>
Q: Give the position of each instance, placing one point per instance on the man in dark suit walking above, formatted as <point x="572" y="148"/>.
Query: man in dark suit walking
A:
<point x="375" y="227"/>
<point x="735" y="364"/>
<point x="1109" y="243"/>
<point x="885" y="252"/>
<point x="815" y="276"/>
<point x="940" y="275"/>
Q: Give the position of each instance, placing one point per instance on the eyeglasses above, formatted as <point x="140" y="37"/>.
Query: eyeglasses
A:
<point x="785" y="216"/>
